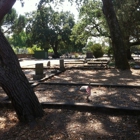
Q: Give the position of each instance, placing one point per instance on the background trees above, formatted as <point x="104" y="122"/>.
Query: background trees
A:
<point x="93" y="20"/>
<point x="128" y="16"/>
<point x="51" y="29"/>
<point x="91" y="24"/>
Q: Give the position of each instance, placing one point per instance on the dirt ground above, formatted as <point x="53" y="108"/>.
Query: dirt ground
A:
<point x="63" y="124"/>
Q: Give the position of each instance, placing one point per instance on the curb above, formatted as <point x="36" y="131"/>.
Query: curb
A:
<point x="92" y="84"/>
<point x="84" y="107"/>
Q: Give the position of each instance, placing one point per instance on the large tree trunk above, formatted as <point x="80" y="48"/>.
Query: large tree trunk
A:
<point x="16" y="85"/>
<point x="13" y="80"/>
<point x="129" y="57"/>
<point x="120" y="54"/>
<point x="127" y="44"/>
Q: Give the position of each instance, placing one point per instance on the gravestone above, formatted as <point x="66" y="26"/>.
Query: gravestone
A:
<point x="62" y="67"/>
<point x="89" y="55"/>
<point x="38" y="71"/>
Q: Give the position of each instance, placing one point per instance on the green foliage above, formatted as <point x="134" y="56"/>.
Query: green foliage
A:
<point x="91" y="23"/>
<point x="8" y="22"/>
<point x="18" y="40"/>
<point x="30" y="51"/>
<point x="135" y="48"/>
<point x="12" y="23"/>
<point x="19" y="24"/>
<point x="14" y="49"/>
<point x="36" y="48"/>
<point x="105" y="49"/>
<point x="49" y="28"/>
<point x="76" y="55"/>
<point x="128" y="12"/>
<point x="92" y="19"/>
<point x="97" y="50"/>
<point x="50" y="51"/>
<point x="108" y="50"/>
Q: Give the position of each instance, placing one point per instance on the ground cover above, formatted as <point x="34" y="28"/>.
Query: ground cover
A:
<point x="76" y="125"/>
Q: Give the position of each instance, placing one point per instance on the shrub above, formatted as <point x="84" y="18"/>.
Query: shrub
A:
<point x="36" y="48"/>
<point x="30" y="51"/>
<point x="97" y="50"/>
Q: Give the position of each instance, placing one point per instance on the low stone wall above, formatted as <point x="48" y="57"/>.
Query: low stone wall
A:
<point x="25" y="55"/>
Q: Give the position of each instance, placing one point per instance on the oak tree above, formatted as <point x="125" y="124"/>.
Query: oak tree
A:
<point x="119" y="47"/>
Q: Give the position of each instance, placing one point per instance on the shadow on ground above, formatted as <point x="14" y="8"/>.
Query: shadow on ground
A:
<point x="71" y="125"/>
<point x="75" y="125"/>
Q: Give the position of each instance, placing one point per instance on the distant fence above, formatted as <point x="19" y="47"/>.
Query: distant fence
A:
<point x="25" y="55"/>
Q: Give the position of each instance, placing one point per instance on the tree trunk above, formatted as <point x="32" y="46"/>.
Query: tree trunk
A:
<point x="129" y="57"/>
<point x="55" y="47"/>
<point x="16" y="85"/>
<point x="120" y="54"/>
<point x="5" y="6"/>
<point x="12" y="78"/>
<point x="127" y="44"/>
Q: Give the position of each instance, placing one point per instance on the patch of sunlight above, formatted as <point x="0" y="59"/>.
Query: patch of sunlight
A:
<point x="104" y="79"/>
<point x="74" y="125"/>
<point x="56" y="77"/>
<point x="71" y="90"/>
<point x="2" y="119"/>
<point x="138" y="94"/>
<point x="135" y="99"/>
<point x="97" y="126"/>
<point x="81" y="77"/>
<point x="2" y="125"/>
<point x="114" y="119"/>
<point x="67" y="78"/>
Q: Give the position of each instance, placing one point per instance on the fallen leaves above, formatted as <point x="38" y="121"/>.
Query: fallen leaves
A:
<point x="71" y="125"/>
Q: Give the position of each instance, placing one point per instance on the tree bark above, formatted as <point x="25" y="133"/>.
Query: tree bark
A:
<point x="55" y="49"/>
<point x="16" y="85"/>
<point x="14" y="81"/>
<point x="127" y="44"/>
<point x="120" y="54"/>
<point x="5" y="6"/>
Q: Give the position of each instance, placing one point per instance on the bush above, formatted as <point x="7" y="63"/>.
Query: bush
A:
<point x="110" y="51"/>
<point x="97" y="50"/>
<point x="36" y="48"/>
<point x="30" y="51"/>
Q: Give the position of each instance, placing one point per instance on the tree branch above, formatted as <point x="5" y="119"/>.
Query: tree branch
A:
<point x="5" y="6"/>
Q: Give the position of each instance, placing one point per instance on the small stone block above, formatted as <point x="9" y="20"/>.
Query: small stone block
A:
<point x="48" y="64"/>
<point x="39" y="69"/>
<point x="62" y="67"/>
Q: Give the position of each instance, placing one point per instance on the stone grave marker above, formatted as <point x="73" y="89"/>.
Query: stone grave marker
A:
<point x="62" y="67"/>
<point x="48" y="64"/>
<point x="38" y="71"/>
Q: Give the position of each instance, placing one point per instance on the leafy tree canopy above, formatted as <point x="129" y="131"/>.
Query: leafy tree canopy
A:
<point x="50" y="27"/>
<point x="128" y="12"/>
<point x="12" y="23"/>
